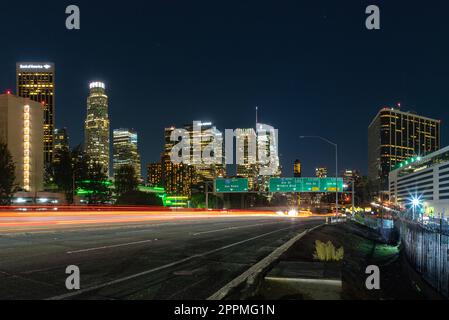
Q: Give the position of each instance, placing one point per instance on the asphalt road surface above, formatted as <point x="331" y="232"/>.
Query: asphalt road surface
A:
<point x="182" y="258"/>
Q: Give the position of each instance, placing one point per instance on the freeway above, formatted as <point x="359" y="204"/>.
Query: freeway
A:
<point x="135" y="255"/>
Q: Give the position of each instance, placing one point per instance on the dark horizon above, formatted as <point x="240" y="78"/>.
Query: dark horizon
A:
<point x="311" y="67"/>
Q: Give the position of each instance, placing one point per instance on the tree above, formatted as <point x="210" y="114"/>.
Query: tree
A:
<point x="7" y="175"/>
<point x="125" y="180"/>
<point x="71" y="168"/>
<point x="136" y="197"/>
<point x="97" y="184"/>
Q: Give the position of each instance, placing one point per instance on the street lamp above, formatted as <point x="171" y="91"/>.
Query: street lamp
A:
<point x="336" y="166"/>
<point x="415" y="203"/>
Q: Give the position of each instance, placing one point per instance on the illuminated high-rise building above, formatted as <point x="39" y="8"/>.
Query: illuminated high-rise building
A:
<point x="297" y="169"/>
<point x="321" y="172"/>
<point x="395" y="136"/>
<point x="268" y="164"/>
<point x="154" y="174"/>
<point x="21" y="128"/>
<point x="246" y="146"/>
<point x="267" y="146"/>
<point x="125" y="150"/>
<point x="96" y="126"/>
<point x="177" y="178"/>
<point x="60" y="142"/>
<point x="36" y="81"/>
<point x="204" y="135"/>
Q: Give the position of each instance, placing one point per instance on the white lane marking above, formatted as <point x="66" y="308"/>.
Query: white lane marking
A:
<point x="111" y="246"/>
<point x="234" y="228"/>
<point x="165" y="266"/>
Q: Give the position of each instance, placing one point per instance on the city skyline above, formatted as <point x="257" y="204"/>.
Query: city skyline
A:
<point x="321" y="77"/>
<point x="226" y="157"/>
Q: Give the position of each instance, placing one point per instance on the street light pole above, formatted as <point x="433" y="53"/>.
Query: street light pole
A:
<point x="353" y="195"/>
<point x="336" y="166"/>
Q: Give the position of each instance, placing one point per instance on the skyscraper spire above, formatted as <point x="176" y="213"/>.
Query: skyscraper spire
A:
<point x="257" y="120"/>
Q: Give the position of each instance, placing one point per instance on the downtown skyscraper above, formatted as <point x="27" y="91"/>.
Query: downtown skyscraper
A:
<point x="202" y="136"/>
<point x="395" y="136"/>
<point x="246" y="146"/>
<point x="36" y="81"/>
<point x="177" y="178"/>
<point x="96" y="126"/>
<point x="125" y="150"/>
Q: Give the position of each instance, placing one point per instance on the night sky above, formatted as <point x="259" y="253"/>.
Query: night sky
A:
<point x="311" y="66"/>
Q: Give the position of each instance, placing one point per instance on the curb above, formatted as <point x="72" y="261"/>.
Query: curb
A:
<point x="250" y="276"/>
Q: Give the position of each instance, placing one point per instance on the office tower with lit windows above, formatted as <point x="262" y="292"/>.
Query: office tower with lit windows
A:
<point x="321" y="172"/>
<point x="395" y="136"/>
<point x="125" y="150"/>
<point x="267" y="146"/>
<point x="297" y="169"/>
<point x="36" y="81"/>
<point x="60" y="142"/>
<point x="96" y="126"/>
<point x="246" y="146"/>
<point x="204" y="137"/>
<point x="177" y="178"/>
<point x="154" y="174"/>
<point x="22" y="129"/>
<point x="350" y="175"/>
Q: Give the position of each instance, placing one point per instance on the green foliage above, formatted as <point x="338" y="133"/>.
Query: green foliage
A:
<point x="7" y="175"/>
<point x="125" y="180"/>
<point x="96" y="183"/>
<point x="327" y="252"/>
<point x="70" y="168"/>
<point x="136" y="197"/>
<point x="74" y="169"/>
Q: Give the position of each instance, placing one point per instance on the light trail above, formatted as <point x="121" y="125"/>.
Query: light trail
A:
<point x="34" y="218"/>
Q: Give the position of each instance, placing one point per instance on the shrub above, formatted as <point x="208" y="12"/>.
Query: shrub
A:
<point x="327" y="252"/>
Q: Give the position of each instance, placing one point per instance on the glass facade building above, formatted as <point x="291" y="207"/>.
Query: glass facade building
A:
<point x="125" y="150"/>
<point x="247" y="148"/>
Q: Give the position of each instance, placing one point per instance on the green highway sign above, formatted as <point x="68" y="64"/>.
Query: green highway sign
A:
<point x="231" y="185"/>
<point x="305" y="184"/>
<point x="285" y="185"/>
<point x="328" y="184"/>
<point x="311" y="185"/>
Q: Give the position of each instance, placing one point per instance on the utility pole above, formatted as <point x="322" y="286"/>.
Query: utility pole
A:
<point x="206" y="188"/>
<point x="336" y="179"/>
<point x="336" y="166"/>
<point x="353" y="196"/>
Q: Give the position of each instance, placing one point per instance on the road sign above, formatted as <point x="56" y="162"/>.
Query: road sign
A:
<point x="231" y="185"/>
<point x="285" y="185"/>
<point x="310" y="185"/>
<point x="328" y="184"/>
<point x="305" y="185"/>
